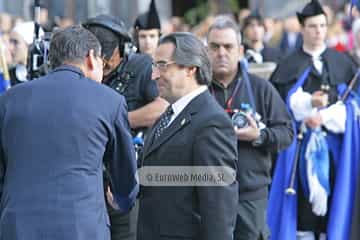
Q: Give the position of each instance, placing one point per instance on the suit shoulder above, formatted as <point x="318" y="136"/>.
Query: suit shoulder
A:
<point x="109" y="92"/>
<point x="214" y="114"/>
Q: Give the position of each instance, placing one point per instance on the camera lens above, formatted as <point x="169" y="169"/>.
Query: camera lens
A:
<point x="240" y="120"/>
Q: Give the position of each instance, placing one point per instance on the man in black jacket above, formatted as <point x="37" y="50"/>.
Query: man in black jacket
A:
<point x="268" y="128"/>
<point x="129" y="74"/>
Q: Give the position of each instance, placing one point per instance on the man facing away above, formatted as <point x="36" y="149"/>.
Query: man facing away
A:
<point x="56" y="132"/>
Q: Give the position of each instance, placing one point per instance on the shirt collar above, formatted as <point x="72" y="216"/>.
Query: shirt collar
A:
<point x="315" y="54"/>
<point x="181" y="103"/>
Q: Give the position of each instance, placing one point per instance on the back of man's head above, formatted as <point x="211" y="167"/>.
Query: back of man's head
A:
<point x="72" y="45"/>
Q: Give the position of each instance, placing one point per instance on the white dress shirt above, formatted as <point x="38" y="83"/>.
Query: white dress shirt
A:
<point x="181" y="103"/>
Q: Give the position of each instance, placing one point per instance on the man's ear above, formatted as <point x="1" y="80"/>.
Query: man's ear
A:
<point x="191" y="71"/>
<point x="90" y="60"/>
<point x="241" y="50"/>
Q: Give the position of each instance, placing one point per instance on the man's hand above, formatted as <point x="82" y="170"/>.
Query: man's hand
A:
<point x="314" y="121"/>
<point x="249" y="133"/>
<point x="110" y="199"/>
<point x="319" y="99"/>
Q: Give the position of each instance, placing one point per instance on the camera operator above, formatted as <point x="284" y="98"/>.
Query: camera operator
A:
<point x="267" y="125"/>
<point x="130" y="75"/>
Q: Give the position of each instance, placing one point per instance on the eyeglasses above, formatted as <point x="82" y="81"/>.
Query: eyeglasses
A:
<point x="162" y="65"/>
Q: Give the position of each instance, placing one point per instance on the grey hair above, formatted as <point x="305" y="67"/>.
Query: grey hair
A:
<point x="190" y="52"/>
<point x="72" y="45"/>
<point x="225" y="22"/>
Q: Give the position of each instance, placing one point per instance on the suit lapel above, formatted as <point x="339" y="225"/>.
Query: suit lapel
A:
<point x="182" y="120"/>
<point x="150" y="138"/>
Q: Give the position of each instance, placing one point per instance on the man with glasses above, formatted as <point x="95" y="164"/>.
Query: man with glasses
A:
<point x="261" y="123"/>
<point x="56" y="132"/>
<point x="193" y="131"/>
<point x="129" y="74"/>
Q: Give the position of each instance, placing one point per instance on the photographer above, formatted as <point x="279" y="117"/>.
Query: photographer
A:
<point x="130" y="75"/>
<point x="268" y="125"/>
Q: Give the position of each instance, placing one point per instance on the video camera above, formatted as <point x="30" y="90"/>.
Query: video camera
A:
<point x="38" y="58"/>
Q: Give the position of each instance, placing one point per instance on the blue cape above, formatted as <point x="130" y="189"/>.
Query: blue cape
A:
<point x="282" y="210"/>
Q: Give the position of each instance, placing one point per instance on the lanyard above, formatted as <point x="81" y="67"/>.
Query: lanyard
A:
<point x="229" y="102"/>
<point x="245" y="78"/>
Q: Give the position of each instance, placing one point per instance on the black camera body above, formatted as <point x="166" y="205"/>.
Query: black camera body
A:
<point x="239" y="116"/>
<point x="38" y="57"/>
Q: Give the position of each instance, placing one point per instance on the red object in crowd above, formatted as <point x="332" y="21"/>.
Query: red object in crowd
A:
<point x="340" y="47"/>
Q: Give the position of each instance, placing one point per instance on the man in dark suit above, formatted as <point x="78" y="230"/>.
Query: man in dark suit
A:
<point x="56" y="131"/>
<point x="194" y="131"/>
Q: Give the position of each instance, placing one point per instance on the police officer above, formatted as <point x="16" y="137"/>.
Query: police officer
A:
<point x="129" y="74"/>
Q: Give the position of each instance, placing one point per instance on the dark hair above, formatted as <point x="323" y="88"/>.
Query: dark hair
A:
<point x="108" y="40"/>
<point x="254" y="17"/>
<point x="72" y="45"/>
<point x="111" y="33"/>
<point x="190" y="52"/>
<point x="224" y="22"/>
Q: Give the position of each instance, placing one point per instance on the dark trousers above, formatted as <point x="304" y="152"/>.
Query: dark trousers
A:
<point x="123" y="226"/>
<point x="251" y="223"/>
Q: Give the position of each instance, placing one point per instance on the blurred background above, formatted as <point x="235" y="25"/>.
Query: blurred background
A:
<point x="192" y="10"/>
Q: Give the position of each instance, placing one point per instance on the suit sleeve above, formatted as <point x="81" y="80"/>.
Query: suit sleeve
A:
<point x="120" y="158"/>
<point x="216" y="145"/>
<point x="2" y="157"/>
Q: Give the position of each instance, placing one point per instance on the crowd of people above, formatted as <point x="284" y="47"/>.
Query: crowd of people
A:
<point x="69" y="142"/>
